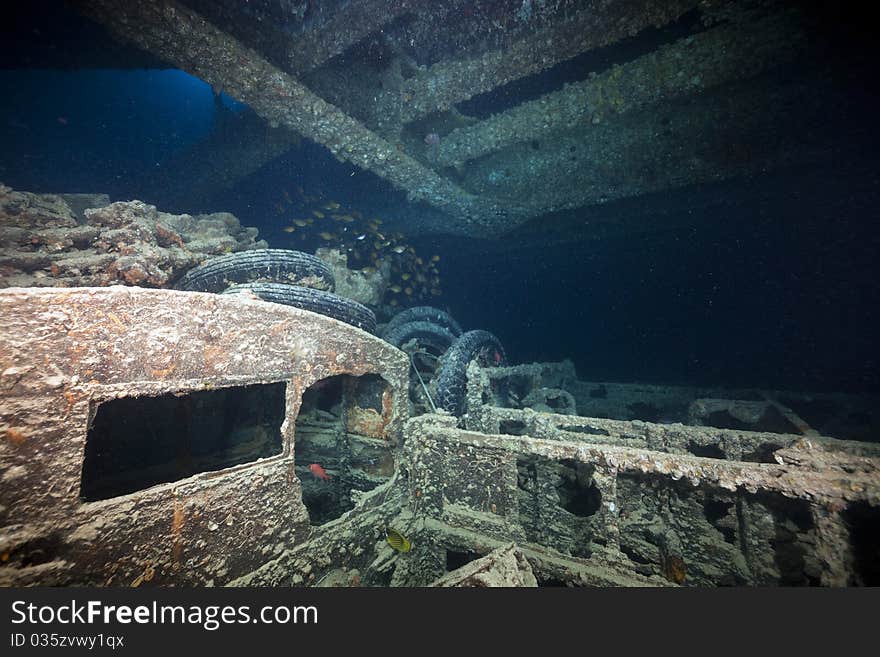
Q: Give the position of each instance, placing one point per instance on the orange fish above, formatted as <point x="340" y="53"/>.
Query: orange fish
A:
<point x="319" y="472"/>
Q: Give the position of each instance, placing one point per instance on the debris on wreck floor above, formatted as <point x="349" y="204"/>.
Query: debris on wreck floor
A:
<point x="555" y="388"/>
<point x="504" y="566"/>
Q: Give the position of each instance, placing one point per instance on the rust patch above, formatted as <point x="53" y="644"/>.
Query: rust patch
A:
<point x="70" y="398"/>
<point x="162" y="373"/>
<point x="176" y="527"/>
<point x="280" y="329"/>
<point x="214" y="355"/>
<point x="75" y="353"/>
<point x="387" y="409"/>
<point x="146" y="576"/>
<point x="675" y="569"/>
<point x="15" y="436"/>
<point x="366" y="422"/>
<point x="167" y="237"/>
<point x="118" y="322"/>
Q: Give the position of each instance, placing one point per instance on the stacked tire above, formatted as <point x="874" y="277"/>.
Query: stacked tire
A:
<point x="451" y="384"/>
<point x="429" y="326"/>
<point x="292" y="278"/>
<point x="438" y="332"/>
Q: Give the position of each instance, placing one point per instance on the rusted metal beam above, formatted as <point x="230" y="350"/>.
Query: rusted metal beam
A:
<point x="347" y="27"/>
<point x="689" y="66"/>
<point x="727" y="132"/>
<point x="600" y="570"/>
<point x="730" y="444"/>
<point x="607" y="408"/>
<point x="446" y="83"/>
<point x="182" y="37"/>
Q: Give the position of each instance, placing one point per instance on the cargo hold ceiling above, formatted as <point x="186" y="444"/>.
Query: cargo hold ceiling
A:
<point x="504" y="115"/>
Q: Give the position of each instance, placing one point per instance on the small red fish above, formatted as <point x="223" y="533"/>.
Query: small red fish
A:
<point x="62" y="120"/>
<point x="497" y="357"/>
<point x="319" y="472"/>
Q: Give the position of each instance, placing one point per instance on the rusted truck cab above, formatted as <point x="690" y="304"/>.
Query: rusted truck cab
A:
<point x="150" y="436"/>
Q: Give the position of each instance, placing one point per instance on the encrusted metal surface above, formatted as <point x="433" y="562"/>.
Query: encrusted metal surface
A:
<point x="688" y="66"/>
<point x="594" y="501"/>
<point x="598" y="24"/>
<point x="587" y="501"/>
<point x="185" y="39"/>
<point x="668" y="96"/>
<point x="63" y="351"/>
<point x="839" y="415"/>
<point x="506" y="566"/>
<point x="650" y="506"/>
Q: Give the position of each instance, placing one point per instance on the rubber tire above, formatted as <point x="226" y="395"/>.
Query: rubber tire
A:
<point x="423" y="314"/>
<point x="452" y="379"/>
<point x="259" y="266"/>
<point x="318" y="301"/>
<point x="427" y="333"/>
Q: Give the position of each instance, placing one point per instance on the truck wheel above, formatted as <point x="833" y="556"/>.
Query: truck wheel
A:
<point x="259" y="266"/>
<point x="452" y="380"/>
<point x="318" y="301"/>
<point x="423" y="314"/>
<point x="429" y="334"/>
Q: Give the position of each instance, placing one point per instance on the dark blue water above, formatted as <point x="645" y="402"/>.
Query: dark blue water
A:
<point x="97" y="130"/>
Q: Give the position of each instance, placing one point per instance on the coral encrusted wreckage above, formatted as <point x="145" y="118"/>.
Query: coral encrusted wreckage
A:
<point x="83" y="240"/>
<point x="152" y="436"/>
<point x="553" y="498"/>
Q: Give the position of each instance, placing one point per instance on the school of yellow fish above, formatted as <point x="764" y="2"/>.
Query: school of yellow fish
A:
<point x="313" y="222"/>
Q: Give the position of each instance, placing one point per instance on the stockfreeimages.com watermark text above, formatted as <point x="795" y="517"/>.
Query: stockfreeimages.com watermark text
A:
<point x="209" y="617"/>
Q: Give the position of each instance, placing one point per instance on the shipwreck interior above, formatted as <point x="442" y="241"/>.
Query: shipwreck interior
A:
<point x="248" y="279"/>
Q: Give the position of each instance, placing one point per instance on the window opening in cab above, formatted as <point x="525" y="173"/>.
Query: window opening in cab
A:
<point x="134" y="443"/>
<point x="341" y="442"/>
